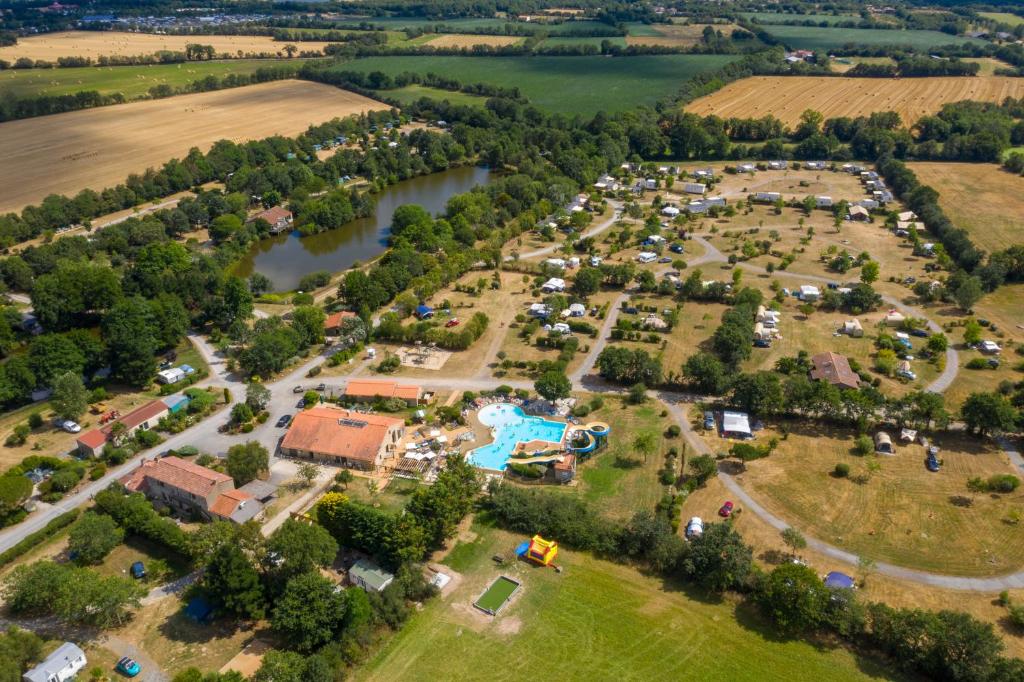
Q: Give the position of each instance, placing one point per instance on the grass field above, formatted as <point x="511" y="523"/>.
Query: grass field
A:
<point x="131" y="81"/>
<point x="816" y="38"/>
<point x="50" y="46"/>
<point x="466" y="40"/>
<point x="573" y="41"/>
<point x="1003" y="17"/>
<point x="594" y="621"/>
<point x="779" y="17"/>
<point x="98" y="148"/>
<point x="411" y="93"/>
<point x="901" y="513"/>
<point x="569" y="85"/>
<point x="500" y="591"/>
<point x="983" y="199"/>
<point x="677" y="35"/>
<point x="788" y="97"/>
<point x="401" y="23"/>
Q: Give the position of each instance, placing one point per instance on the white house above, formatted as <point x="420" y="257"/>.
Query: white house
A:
<point x="746" y="168"/>
<point x="171" y="375"/>
<point x="654" y="239"/>
<point x="606" y="182"/>
<point x="63" y="664"/>
<point x="553" y="285"/>
<point x="808" y="293"/>
<point x="574" y="262"/>
<point x="558" y="263"/>
<point x="778" y="165"/>
<point x="767" y="197"/>
<point x="714" y="201"/>
<point x="646" y="257"/>
<point x="561" y="328"/>
<point x="577" y="310"/>
<point x="539" y="310"/>
<point x="369" y="576"/>
<point x="670" y="211"/>
<point x="703" y="173"/>
<point x="823" y="202"/>
<point x="906" y="216"/>
<point x="736" y="425"/>
<point x="651" y="183"/>
<point x="815" y="165"/>
<point x="694" y="188"/>
<point x="852" y="328"/>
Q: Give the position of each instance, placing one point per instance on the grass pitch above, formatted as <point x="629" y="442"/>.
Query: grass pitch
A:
<point x="497" y="595"/>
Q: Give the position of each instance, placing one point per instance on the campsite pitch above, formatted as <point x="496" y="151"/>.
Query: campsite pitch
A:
<point x="98" y="148"/>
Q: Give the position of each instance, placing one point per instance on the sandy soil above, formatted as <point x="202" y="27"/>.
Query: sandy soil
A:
<point x="110" y="43"/>
<point x="98" y="148"/>
<point x="787" y="97"/>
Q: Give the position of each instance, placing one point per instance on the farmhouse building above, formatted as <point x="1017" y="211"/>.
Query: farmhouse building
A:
<point x="349" y="439"/>
<point x="63" y="664"/>
<point x="190" y="489"/>
<point x="835" y="369"/>
<point x="360" y="390"/>
<point x="90" y="443"/>
<point x="280" y="219"/>
<point x="333" y="322"/>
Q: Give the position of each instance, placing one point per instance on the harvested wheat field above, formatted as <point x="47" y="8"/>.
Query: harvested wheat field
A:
<point x="95" y="44"/>
<point x="982" y="198"/>
<point x="460" y="40"/>
<point x="98" y="148"/>
<point x="788" y="97"/>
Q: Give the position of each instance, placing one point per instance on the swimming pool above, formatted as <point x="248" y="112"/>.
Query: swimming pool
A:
<point x="510" y="426"/>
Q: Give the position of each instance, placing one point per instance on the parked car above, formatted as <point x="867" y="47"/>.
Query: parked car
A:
<point x="726" y="510"/>
<point x="138" y="570"/>
<point x="762" y="343"/>
<point x="833" y="285"/>
<point x="67" y="425"/>
<point x="454" y="322"/>
<point x="284" y="421"/>
<point x="128" y="666"/>
<point x="993" y="363"/>
<point x="709" y="420"/>
<point x="932" y="463"/>
<point x="664" y="259"/>
<point x="676" y="248"/>
<point x="921" y="333"/>
<point x="630" y="310"/>
<point x="298" y="389"/>
<point x="321" y="387"/>
<point x="694" y="527"/>
<point x="301" y="404"/>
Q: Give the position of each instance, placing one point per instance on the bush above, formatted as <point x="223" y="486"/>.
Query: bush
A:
<point x="33" y="539"/>
<point x="97" y="472"/>
<point x="842" y="470"/>
<point x="863" y="445"/>
<point x="748" y="452"/>
<point x="673" y="431"/>
<point x="977" y="363"/>
<point x="64" y="480"/>
<point x="147" y="438"/>
<point x="527" y="470"/>
<point x="35" y="420"/>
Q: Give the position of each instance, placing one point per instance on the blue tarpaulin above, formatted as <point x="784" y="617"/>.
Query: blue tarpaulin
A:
<point x="199" y="610"/>
<point x="838" y="581"/>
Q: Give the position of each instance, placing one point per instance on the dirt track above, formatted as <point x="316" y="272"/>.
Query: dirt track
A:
<point x="110" y="43"/>
<point x="98" y="148"/>
<point x="786" y="97"/>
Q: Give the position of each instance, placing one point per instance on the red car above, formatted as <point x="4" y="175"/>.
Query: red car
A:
<point x="452" y="322"/>
<point x="726" y="510"/>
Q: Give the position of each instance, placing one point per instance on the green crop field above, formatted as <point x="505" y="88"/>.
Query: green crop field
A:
<point x="641" y="29"/>
<point x="815" y="38"/>
<point x="782" y="18"/>
<point x="597" y="620"/>
<point x="569" y="85"/>
<point x="582" y="40"/>
<point x="411" y="93"/>
<point x="132" y="81"/>
<point x="469" y="25"/>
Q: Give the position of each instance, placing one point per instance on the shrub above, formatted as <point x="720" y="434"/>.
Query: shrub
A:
<point x="748" y="452"/>
<point x="527" y="470"/>
<point x="97" y="472"/>
<point x="64" y="480"/>
<point x="35" y="420"/>
<point x="863" y="445"/>
<point x="842" y="470"/>
<point x="33" y="539"/>
<point x="673" y="431"/>
<point x="147" y="438"/>
<point x="977" y="363"/>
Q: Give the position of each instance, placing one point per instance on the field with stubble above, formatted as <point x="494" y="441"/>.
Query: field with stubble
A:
<point x="99" y="148"/>
<point x="465" y="41"/>
<point x="787" y="97"/>
<point x="95" y="44"/>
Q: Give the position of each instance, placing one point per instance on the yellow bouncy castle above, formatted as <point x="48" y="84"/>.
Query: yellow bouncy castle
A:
<point x="541" y="551"/>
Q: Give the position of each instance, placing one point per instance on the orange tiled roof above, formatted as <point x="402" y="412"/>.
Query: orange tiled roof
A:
<point x="334" y="319"/>
<point x="226" y="503"/>
<point x="93" y="439"/>
<point x="384" y="389"/>
<point x="176" y="473"/>
<point x="339" y="433"/>
<point x="272" y="215"/>
<point x="835" y="369"/>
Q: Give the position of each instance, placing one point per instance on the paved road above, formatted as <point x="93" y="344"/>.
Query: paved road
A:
<point x="592" y="232"/>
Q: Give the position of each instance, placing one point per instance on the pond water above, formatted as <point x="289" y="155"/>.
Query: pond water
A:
<point x="286" y="258"/>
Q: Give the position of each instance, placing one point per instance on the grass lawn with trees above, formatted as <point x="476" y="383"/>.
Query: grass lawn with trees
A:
<point x="568" y="85"/>
<point x="412" y="93"/>
<point x="593" y="607"/>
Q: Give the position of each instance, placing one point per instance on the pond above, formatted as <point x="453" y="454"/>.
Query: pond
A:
<point x="286" y="258"/>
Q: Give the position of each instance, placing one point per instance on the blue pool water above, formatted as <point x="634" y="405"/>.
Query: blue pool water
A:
<point x="511" y="426"/>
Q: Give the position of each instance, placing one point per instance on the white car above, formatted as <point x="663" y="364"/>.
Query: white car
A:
<point x="69" y="426"/>
<point x="695" y="527"/>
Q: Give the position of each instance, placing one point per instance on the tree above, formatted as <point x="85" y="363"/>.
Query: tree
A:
<point x="646" y="444"/>
<point x="309" y="611"/>
<point x="587" y="282"/>
<point x="718" y="559"/>
<point x="438" y="509"/>
<point x="972" y="333"/>
<point x="553" y="385"/>
<point x="869" y="272"/>
<point x="70" y="398"/>
<point x="14" y="493"/>
<point x="968" y="293"/>
<point x="985" y="413"/>
<point x="94" y="537"/>
<point x="128" y="330"/>
<point x="72" y="593"/>
<point x="257" y="396"/>
<point x="259" y="284"/>
<point x="308" y="321"/>
<point x="343" y="478"/>
<point x="18" y="649"/>
<point x="760" y="393"/>
<point x="706" y="373"/>
<point x="300" y="548"/>
<point x="222" y="227"/>
<point x="794" y="539"/>
<point x="938" y="343"/>
<point x="794" y="597"/>
<point x="806" y="309"/>
<point x="288" y="666"/>
<point x="307" y="473"/>
<point x="702" y="468"/>
<point x="233" y="581"/>
<point x="247" y="461"/>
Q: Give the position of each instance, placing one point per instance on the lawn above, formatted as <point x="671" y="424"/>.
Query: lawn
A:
<point x="830" y="38"/>
<point x="392" y="497"/>
<point x="412" y="93"/>
<point x="132" y="81"/>
<point x="594" y="621"/>
<point x="899" y="512"/>
<point x="573" y="41"/>
<point x="1004" y="17"/>
<point x="981" y="198"/>
<point x="162" y="566"/>
<point x="500" y="591"/>
<point x="568" y="85"/>
<point x="781" y="18"/>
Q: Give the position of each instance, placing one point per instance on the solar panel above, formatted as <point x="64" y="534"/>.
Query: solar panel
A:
<point x="355" y="423"/>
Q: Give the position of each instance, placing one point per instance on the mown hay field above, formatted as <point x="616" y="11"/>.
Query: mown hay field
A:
<point x="568" y="85"/>
<point x="99" y="148"/>
<point x="95" y="44"/>
<point x="787" y="97"/>
<point x="459" y="40"/>
<point x="829" y="38"/>
<point x="677" y="35"/>
<point x="982" y="198"/>
<point x="131" y="81"/>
